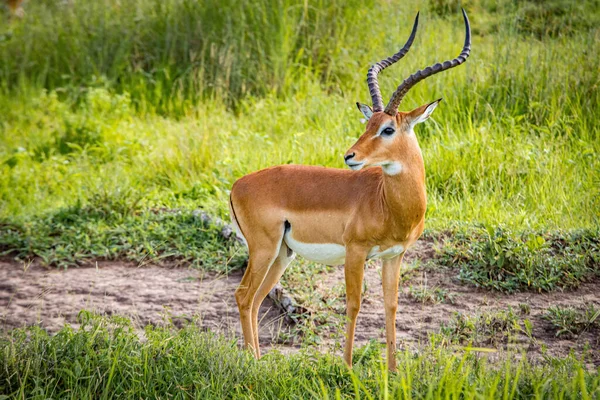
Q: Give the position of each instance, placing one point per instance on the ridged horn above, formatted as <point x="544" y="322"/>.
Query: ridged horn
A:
<point x="383" y="64"/>
<point x="396" y="99"/>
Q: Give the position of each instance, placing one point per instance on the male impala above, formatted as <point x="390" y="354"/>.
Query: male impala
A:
<point x="336" y="216"/>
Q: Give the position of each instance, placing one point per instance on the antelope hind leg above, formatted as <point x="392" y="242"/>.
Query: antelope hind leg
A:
<point x="262" y="254"/>
<point x="275" y="272"/>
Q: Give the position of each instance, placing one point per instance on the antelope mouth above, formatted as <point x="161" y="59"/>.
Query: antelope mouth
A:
<point x="355" y="166"/>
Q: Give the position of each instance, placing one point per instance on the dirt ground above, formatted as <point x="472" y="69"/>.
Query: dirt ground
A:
<point x="32" y="294"/>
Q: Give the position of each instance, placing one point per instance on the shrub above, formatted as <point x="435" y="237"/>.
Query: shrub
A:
<point x="573" y="321"/>
<point x="497" y="258"/>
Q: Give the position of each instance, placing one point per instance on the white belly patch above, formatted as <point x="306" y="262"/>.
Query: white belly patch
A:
<point x="324" y="253"/>
<point x="333" y="253"/>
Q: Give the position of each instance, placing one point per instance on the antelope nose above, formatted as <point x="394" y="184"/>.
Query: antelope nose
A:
<point x="349" y="156"/>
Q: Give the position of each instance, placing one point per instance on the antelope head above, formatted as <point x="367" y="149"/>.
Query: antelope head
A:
<point x="389" y="134"/>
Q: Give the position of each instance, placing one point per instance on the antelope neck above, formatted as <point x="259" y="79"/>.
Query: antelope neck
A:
<point x="404" y="193"/>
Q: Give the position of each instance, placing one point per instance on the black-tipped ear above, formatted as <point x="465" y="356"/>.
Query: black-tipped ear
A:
<point x="366" y="110"/>
<point x="422" y="113"/>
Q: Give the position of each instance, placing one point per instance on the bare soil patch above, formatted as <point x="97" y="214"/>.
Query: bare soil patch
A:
<point x="51" y="297"/>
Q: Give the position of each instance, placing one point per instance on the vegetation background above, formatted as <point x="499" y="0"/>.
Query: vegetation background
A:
<point x="119" y="120"/>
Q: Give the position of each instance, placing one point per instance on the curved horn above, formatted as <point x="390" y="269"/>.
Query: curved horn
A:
<point x="383" y="64"/>
<point x="392" y="107"/>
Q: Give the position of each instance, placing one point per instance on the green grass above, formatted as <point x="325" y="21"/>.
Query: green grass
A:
<point x="487" y="328"/>
<point x="106" y="357"/>
<point x="80" y="235"/>
<point x="500" y="259"/>
<point x="572" y="321"/>
<point x="170" y="54"/>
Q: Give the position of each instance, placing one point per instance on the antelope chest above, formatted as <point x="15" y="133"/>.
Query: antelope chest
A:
<point x="333" y="253"/>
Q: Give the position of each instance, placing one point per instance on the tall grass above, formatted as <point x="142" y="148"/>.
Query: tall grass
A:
<point x="105" y="358"/>
<point x="168" y="54"/>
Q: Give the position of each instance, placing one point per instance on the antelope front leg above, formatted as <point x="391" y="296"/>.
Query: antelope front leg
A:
<point x="354" y="270"/>
<point x="390" y="276"/>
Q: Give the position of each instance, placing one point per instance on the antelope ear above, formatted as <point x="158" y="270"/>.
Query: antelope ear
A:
<point x="366" y="110"/>
<point x="422" y="113"/>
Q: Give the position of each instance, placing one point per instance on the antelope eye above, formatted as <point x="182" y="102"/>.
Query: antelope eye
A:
<point x="388" y="131"/>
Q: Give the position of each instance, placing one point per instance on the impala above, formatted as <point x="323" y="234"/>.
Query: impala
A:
<point x="336" y="216"/>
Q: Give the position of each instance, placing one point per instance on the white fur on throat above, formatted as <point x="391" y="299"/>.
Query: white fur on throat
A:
<point x="390" y="167"/>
